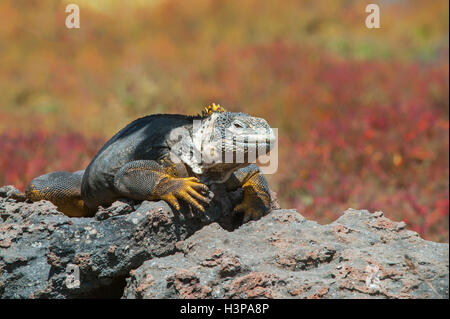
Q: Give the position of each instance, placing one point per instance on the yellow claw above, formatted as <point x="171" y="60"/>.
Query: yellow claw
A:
<point x="253" y="207"/>
<point x="172" y="200"/>
<point x="188" y="198"/>
<point x="186" y="189"/>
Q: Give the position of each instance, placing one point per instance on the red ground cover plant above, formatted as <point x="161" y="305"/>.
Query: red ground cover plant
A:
<point x="25" y="156"/>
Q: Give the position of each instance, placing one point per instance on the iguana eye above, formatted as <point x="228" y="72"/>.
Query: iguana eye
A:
<point x="237" y="125"/>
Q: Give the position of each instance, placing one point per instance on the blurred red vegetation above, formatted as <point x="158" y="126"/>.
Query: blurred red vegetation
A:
<point x="25" y="156"/>
<point x="363" y="117"/>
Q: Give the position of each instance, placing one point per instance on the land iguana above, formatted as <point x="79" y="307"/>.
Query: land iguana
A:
<point x="153" y="158"/>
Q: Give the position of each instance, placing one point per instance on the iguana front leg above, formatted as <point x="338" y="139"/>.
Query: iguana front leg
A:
<point x="256" y="202"/>
<point x="147" y="180"/>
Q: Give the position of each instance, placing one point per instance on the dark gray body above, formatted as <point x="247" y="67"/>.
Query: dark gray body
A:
<point x="143" y="139"/>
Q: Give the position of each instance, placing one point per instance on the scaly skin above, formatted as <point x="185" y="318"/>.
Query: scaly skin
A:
<point x="62" y="189"/>
<point x="174" y="189"/>
<point x="256" y="202"/>
<point x="147" y="180"/>
<point x="136" y="163"/>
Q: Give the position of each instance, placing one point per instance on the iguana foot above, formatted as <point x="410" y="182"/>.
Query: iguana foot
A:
<point x="187" y="189"/>
<point x="253" y="207"/>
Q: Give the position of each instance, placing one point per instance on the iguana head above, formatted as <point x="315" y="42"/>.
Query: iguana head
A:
<point x="229" y="140"/>
<point x="238" y="132"/>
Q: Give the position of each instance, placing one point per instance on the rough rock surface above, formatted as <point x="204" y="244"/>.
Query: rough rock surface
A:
<point x="283" y="255"/>
<point x="145" y="250"/>
<point x="42" y="250"/>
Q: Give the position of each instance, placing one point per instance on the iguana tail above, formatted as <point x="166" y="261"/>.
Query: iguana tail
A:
<point x="62" y="189"/>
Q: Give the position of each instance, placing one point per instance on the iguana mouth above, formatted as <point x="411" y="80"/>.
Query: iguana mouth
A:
<point x="248" y="143"/>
